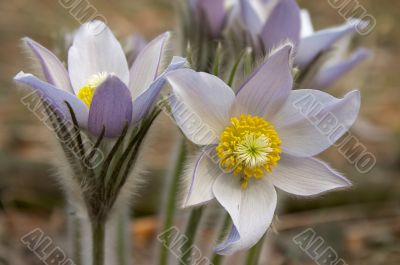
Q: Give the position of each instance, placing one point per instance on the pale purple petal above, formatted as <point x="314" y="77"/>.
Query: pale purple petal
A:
<point x="56" y="98"/>
<point x="283" y="24"/>
<point x="251" y="210"/>
<point x="331" y="73"/>
<point x="149" y="64"/>
<point x="143" y="103"/>
<point x="232" y="238"/>
<point x="95" y="50"/>
<point x="214" y="12"/>
<point x="321" y="41"/>
<point x="111" y="108"/>
<point x="306" y="176"/>
<point x="201" y="174"/>
<point x="263" y="93"/>
<point x="53" y="70"/>
<point x="312" y="120"/>
<point x="201" y="105"/>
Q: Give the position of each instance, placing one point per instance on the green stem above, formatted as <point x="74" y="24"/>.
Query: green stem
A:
<point x="217" y="60"/>
<point x="123" y="234"/>
<point x="172" y="199"/>
<point x="235" y="68"/>
<point x="217" y="259"/>
<point x="254" y="253"/>
<point x="190" y="233"/>
<point x="77" y="239"/>
<point x="98" y="235"/>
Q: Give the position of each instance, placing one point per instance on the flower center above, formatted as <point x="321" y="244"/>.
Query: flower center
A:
<point x="250" y="146"/>
<point x="87" y="91"/>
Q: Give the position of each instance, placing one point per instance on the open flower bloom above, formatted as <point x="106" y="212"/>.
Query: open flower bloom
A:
<point x="269" y="23"/>
<point x="102" y="91"/>
<point x="263" y="137"/>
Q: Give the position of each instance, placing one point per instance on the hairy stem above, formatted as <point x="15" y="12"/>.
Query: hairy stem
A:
<point x="123" y="233"/>
<point x="190" y="233"/>
<point x="171" y="199"/>
<point x="98" y="235"/>
<point x="217" y="259"/>
<point x="234" y="69"/>
<point x="77" y="240"/>
<point x="254" y="253"/>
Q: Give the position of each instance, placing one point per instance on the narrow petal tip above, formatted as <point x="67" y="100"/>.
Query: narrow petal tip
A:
<point x="19" y="75"/>
<point x="355" y="96"/>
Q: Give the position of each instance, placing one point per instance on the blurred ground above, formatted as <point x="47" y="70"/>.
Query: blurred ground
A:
<point x="362" y="224"/>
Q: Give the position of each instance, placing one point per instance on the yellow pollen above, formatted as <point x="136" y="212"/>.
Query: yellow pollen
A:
<point x="87" y="91"/>
<point x="249" y="147"/>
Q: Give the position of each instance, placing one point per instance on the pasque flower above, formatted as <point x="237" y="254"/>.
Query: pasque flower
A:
<point x="255" y="140"/>
<point x="102" y="91"/>
<point x="269" y="23"/>
<point x="266" y="24"/>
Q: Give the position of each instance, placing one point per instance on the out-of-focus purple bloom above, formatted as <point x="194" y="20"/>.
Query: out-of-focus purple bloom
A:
<point x="99" y="86"/>
<point x="212" y="12"/>
<point x="331" y="41"/>
<point x="268" y="23"/>
<point x="314" y="43"/>
<point x="332" y="70"/>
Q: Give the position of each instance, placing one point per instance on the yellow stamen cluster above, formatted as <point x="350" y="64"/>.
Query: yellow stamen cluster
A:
<point x="86" y="95"/>
<point x="250" y="146"/>
<point x="86" y="92"/>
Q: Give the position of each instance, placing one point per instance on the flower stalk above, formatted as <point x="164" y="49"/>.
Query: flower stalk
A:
<point x="98" y="239"/>
<point x="190" y="233"/>
<point x="123" y="237"/>
<point x="254" y="253"/>
<point x="218" y="259"/>
<point x="171" y="201"/>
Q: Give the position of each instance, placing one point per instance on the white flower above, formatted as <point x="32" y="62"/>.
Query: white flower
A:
<point x="262" y="138"/>
<point x="99" y="86"/>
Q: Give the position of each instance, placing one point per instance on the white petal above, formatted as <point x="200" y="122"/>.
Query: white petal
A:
<point x="306" y="176"/>
<point x="149" y="64"/>
<point x="95" y="50"/>
<point x="201" y="105"/>
<point x="307" y="27"/>
<point x="228" y="191"/>
<point x="251" y="210"/>
<point x="53" y="69"/>
<point x="264" y="92"/>
<point x="201" y="174"/>
<point x="312" y="120"/>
